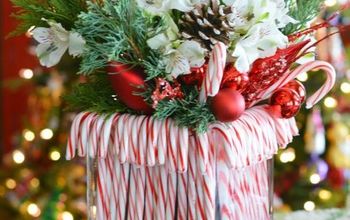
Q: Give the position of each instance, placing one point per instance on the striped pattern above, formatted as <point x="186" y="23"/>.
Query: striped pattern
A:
<point x="212" y="81"/>
<point x="148" y="169"/>
<point x="290" y="75"/>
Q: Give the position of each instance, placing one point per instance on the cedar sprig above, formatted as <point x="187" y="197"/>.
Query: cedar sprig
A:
<point x="31" y="13"/>
<point x="96" y="95"/>
<point x="116" y="31"/>
<point x="187" y="112"/>
<point x="303" y="11"/>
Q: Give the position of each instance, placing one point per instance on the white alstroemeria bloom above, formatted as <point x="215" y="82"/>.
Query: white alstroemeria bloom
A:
<point x="163" y="6"/>
<point x="262" y="40"/>
<point x="179" y="61"/>
<point x="54" y="42"/>
<point x="282" y="16"/>
<point x="165" y="38"/>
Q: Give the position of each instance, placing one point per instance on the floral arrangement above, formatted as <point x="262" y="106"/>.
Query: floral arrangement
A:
<point x="196" y="61"/>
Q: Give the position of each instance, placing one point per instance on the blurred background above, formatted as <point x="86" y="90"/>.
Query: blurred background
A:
<point x="36" y="182"/>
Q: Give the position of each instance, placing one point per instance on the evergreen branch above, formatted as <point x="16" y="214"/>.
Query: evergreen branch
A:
<point x="116" y="31"/>
<point x="31" y="12"/>
<point x="303" y="11"/>
<point x="96" y="96"/>
<point x="187" y="112"/>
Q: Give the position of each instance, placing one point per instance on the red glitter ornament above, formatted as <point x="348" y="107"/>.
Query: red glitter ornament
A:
<point x="285" y="103"/>
<point x="128" y="81"/>
<point x="298" y="87"/>
<point x="196" y="76"/>
<point x="266" y="71"/>
<point x="234" y="79"/>
<point x="165" y="91"/>
<point x="228" y="105"/>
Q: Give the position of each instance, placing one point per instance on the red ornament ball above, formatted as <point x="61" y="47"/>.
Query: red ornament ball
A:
<point x="298" y="87"/>
<point x="285" y="103"/>
<point x="126" y="81"/>
<point x="228" y="105"/>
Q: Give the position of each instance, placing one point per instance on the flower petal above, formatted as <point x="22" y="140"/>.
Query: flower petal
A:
<point x="76" y="44"/>
<point x="50" y="54"/>
<point x="42" y="35"/>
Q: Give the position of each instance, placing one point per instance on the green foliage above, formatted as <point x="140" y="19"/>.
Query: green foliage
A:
<point x="31" y="12"/>
<point x="188" y="112"/>
<point x="303" y="11"/>
<point x="116" y="31"/>
<point x="95" y="96"/>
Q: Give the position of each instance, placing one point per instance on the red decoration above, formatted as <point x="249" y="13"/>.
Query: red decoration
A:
<point x="298" y="87"/>
<point x="196" y="76"/>
<point x="285" y="103"/>
<point x="266" y="71"/>
<point x="234" y="79"/>
<point x="127" y="82"/>
<point x="165" y="91"/>
<point x="228" y="105"/>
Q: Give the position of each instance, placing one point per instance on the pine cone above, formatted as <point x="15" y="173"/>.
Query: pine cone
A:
<point x="207" y="24"/>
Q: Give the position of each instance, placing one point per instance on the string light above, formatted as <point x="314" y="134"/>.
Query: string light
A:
<point x="287" y="155"/>
<point x="35" y="183"/>
<point x="67" y="216"/>
<point x="330" y="102"/>
<point x="324" y="194"/>
<point x="345" y="87"/>
<point x="26" y="73"/>
<point x="10" y="183"/>
<point x="55" y="155"/>
<point x="18" y="157"/>
<point x="33" y="210"/>
<point x="28" y="135"/>
<point x="303" y="77"/>
<point x="309" y="206"/>
<point x="315" y="178"/>
<point x="330" y="3"/>
<point x="46" y="134"/>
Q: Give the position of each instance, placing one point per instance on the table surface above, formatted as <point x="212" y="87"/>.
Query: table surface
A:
<point x="327" y="214"/>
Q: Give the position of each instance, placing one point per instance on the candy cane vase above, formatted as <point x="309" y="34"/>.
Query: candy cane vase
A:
<point x="142" y="168"/>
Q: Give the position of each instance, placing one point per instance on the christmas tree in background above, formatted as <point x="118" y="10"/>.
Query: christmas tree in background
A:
<point x="37" y="181"/>
<point x="313" y="172"/>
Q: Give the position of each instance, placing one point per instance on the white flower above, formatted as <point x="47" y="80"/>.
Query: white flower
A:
<point x="54" y="42"/>
<point x="165" y="38"/>
<point x="163" y="6"/>
<point x="282" y="16"/>
<point x="179" y="61"/>
<point x="262" y="40"/>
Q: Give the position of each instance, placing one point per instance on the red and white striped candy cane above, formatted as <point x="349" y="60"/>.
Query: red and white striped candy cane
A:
<point x="74" y="134"/>
<point x="150" y="193"/>
<point x="140" y="192"/>
<point x="191" y="175"/>
<point x="212" y="81"/>
<point x="162" y="191"/>
<point x="288" y="76"/>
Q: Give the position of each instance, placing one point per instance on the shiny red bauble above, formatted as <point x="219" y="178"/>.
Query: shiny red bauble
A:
<point x="234" y="79"/>
<point x="298" y="87"/>
<point x="196" y="76"/>
<point x="285" y="103"/>
<point x="228" y="105"/>
<point x="128" y="81"/>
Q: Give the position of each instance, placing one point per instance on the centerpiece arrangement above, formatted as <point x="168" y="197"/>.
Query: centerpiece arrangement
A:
<point x="185" y="101"/>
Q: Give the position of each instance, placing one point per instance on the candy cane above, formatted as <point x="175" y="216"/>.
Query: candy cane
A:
<point x="215" y="72"/>
<point x="150" y="193"/>
<point x="288" y="76"/>
<point x="140" y="192"/>
<point x="191" y="175"/>
<point x="74" y="134"/>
